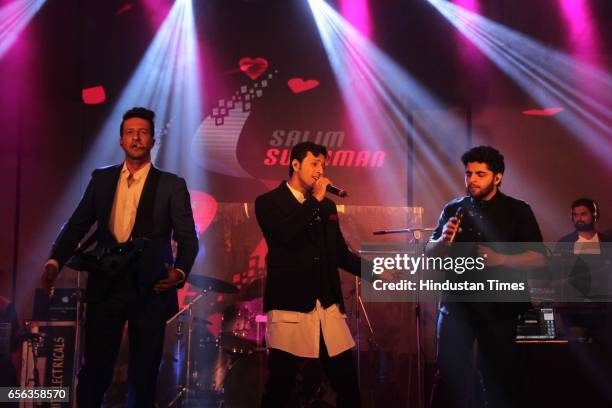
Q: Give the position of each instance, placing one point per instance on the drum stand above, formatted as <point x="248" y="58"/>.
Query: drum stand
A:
<point x="183" y="389"/>
<point x="416" y="233"/>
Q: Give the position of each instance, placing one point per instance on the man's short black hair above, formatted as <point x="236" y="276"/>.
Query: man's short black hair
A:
<point x="142" y="113"/>
<point x="485" y="154"/>
<point x="586" y="202"/>
<point x="301" y="150"/>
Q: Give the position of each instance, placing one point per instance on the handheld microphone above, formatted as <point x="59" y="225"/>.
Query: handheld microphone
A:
<point x="336" y="191"/>
<point x="459" y="215"/>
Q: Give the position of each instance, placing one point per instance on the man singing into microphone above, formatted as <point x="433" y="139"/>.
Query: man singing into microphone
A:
<point x="489" y="216"/>
<point x="303" y="297"/>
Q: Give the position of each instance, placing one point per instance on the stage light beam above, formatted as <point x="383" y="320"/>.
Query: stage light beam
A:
<point x="14" y="17"/>
<point x="166" y="80"/>
<point x="550" y="77"/>
<point x="380" y="98"/>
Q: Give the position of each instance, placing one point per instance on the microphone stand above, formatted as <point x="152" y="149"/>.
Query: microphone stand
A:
<point x="413" y="231"/>
<point x="359" y="309"/>
<point x="416" y="233"/>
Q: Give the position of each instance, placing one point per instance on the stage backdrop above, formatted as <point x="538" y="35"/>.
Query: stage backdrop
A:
<point x="265" y="82"/>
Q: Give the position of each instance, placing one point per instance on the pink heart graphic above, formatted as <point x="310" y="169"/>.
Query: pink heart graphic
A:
<point x="542" y="112"/>
<point x="253" y="67"/>
<point x="298" y="85"/>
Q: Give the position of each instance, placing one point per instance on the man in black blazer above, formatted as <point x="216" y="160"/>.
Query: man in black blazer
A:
<point x="303" y="297"/>
<point x="129" y="201"/>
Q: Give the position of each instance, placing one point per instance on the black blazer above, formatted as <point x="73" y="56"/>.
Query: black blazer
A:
<point x="164" y="212"/>
<point x="291" y="282"/>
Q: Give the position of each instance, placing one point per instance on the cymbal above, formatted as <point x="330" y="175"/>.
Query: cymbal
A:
<point x="212" y="284"/>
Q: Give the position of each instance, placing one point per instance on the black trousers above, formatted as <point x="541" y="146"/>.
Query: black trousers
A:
<point x="103" y="332"/>
<point x="284" y="368"/>
<point x="458" y="327"/>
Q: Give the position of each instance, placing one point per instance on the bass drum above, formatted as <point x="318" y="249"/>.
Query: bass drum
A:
<point x="246" y="379"/>
<point x="209" y="364"/>
<point x="243" y="327"/>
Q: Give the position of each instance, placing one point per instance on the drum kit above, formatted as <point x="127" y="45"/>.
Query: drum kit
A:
<point x="229" y="369"/>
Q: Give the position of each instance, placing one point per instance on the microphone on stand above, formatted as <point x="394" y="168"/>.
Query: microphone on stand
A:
<point x="336" y="191"/>
<point x="459" y="214"/>
<point x="403" y="231"/>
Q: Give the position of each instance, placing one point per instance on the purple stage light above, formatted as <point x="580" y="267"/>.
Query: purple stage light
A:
<point x="357" y="13"/>
<point x="14" y="17"/>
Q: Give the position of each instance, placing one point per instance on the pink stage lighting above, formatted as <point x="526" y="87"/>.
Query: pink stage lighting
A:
<point x="14" y="17"/>
<point x="357" y="13"/>
<point x="471" y="5"/>
<point x="581" y="33"/>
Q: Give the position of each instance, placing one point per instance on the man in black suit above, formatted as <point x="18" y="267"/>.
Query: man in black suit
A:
<point x="303" y="297"/>
<point x="129" y="201"/>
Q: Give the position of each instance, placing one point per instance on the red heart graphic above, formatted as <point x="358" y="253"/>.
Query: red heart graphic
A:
<point x="253" y="67"/>
<point x="94" y="95"/>
<point x="542" y="112"/>
<point x="298" y="85"/>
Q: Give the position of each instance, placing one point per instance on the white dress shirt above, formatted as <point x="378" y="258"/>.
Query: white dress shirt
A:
<point x="125" y="204"/>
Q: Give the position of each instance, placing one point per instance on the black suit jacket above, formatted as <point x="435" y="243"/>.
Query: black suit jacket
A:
<point x="164" y="213"/>
<point x="286" y="225"/>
